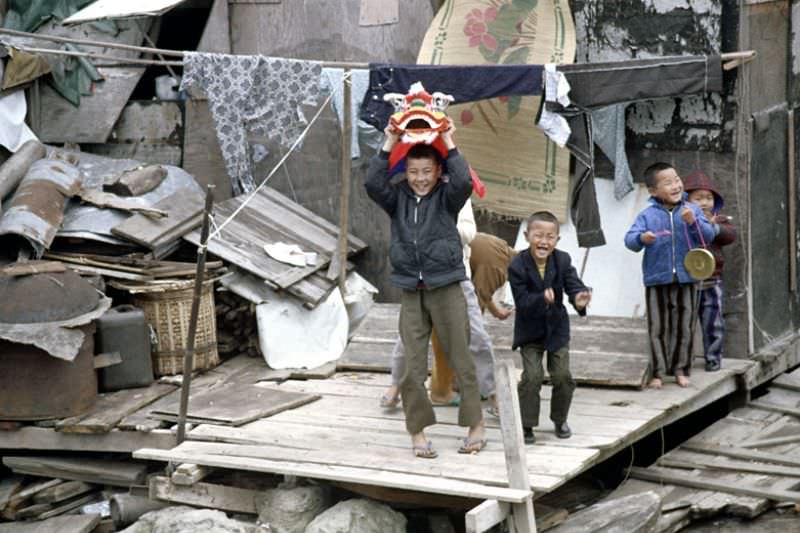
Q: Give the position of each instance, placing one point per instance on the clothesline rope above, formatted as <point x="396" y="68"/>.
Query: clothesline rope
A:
<point x="218" y="228"/>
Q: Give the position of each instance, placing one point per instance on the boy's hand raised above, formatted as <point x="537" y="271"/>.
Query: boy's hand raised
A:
<point x="392" y="137"/>
<point x="648" y="237"/>
<point x="687" y="215"/>
<point x="582" y="299"/>
<point x="447" y="135"/>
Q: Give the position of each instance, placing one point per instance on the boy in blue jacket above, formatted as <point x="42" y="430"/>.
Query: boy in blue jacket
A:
<point x="667" y="229"/>
<point x="539" y="278"/>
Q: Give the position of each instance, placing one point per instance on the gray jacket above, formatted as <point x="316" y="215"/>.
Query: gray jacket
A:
<point x="425" y="244"/>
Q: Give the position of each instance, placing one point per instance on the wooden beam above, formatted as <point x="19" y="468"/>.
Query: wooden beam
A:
<point x="774" y="441"/>
<point x="721" y="464"/>
<point x="398" y="480"/>
<point x="336" y="269"/>
<point x="741" y="453"/>
<point x="188" y="474"/>
<point x="486" y="515"/>
<point x="659" y="475"/>
<point x="208" y="495"/>
<point x="38" y="438"/>
<point x="775" y="408"/>
<point x="522" y="516"/>
<point x="791" y="204"/>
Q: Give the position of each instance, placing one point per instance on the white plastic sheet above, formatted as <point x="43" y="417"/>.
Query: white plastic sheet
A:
<point x="13" y="130"/>
<point x="291" y="336"/>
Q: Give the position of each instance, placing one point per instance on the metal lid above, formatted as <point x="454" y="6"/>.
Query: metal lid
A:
<point x="47" y="297"/>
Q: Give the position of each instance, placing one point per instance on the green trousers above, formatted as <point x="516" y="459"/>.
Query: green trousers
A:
<point x="444" y="308"/>
<point x="531" y="383"/>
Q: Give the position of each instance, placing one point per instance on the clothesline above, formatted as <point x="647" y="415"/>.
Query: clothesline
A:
<point x="733" y="59"/>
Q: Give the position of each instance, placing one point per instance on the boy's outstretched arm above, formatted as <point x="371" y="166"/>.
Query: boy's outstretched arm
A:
<point x="525" y="300"/>
<point x="377" y="182"/>
<point x="633" y="239"/>
<point x="575" y="289"/>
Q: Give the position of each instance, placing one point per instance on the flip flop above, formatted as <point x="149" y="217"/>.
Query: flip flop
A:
<point x="473" y="446"/>
<point x="425" y="452"/>
<point x="455" y="402"/>
<point x="493" y="411"/>
<point x="390" y="403"/>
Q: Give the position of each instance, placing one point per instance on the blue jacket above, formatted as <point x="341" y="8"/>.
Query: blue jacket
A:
<point x="534" y="320"/>
<point x="663" y="259"/>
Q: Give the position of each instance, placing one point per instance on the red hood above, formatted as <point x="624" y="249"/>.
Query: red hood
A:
<point x="699" y="180"/>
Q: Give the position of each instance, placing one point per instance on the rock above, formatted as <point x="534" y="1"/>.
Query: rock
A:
<point x="290" y="510"/>
<point x="358" y="516"/>
<point x="181" y="519"/>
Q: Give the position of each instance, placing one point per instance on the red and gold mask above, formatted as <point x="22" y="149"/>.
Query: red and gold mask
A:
<point x="419" y="114"/>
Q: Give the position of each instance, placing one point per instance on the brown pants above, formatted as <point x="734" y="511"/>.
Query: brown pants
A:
<point x="444" y="308"/>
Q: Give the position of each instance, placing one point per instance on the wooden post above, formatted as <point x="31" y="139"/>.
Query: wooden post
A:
<point x="188" y="356"/>
<point x="338" y="266"/>
<point x="792" y="204"/>
<point x="522" y="516"/>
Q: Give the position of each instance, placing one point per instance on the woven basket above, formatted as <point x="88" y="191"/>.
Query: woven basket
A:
<point x="168" y="310"/>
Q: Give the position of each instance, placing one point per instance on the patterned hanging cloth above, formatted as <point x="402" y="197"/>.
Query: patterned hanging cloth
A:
<point x="252" y="94"/>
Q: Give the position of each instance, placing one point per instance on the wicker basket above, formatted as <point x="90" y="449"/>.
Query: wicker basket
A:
<point x="167" y="310"/>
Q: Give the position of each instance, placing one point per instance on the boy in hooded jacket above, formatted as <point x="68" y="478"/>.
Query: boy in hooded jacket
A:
<point x="703" y="192"/>
<point x="667" y="229"/>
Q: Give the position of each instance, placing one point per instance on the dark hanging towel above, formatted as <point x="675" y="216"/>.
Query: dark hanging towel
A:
<point x="596" y="85"/>
<point x="464" y="83"/>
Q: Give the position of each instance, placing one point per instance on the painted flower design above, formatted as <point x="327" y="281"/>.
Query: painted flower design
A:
<point x="476" y="28"/>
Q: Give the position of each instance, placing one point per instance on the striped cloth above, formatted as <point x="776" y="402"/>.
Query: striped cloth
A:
<point x="671" y="319"/>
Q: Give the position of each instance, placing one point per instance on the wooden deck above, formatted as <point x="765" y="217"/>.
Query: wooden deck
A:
<point x="345" y="436"/>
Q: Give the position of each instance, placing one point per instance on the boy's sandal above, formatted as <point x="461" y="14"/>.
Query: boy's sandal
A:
<point x="425" y="451"/>
<point x="390" y="403"/>
<point x="473" y="446"/>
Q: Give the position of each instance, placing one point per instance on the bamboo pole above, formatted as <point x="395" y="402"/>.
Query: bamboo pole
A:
<point x="133" y="60"/>
<point x="87" y="42"/>
<point x="188" y="356"/>
<point x="338" y="266"/>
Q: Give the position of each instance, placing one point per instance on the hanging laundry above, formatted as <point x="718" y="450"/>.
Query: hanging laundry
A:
<point x="608" y="128"/>
<point x="556" y="88"/>
<point x="255" y="94"/>
<point x="359" y="81"/>
<point x="13" y="130"/>
<point x="464" y="83"/>
<point x="23" y="67"/>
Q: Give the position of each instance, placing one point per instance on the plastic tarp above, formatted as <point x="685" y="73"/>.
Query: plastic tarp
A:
<point x="114" y="9"/>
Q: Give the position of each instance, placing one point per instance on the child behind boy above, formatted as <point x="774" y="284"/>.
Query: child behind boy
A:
<point x="427" y="264"/>
<point x="667" y="229"/>
<point x="704" y="194"/>
<point x="539" y="277"/>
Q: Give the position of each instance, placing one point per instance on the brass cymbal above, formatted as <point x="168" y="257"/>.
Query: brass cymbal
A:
<point x="699" y="263"/>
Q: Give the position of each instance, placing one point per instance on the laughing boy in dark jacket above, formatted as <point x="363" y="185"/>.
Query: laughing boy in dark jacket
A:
<point x="540" y="277"/>
<point x="704" y="194"/>
<point x="427" y="264"/>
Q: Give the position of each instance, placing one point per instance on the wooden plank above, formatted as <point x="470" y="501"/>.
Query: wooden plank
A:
<point x="70" y="505"/>
<point x="661" y="475"/>
<point x="741" y="453"/>
<point x="206" y="495"/>
<point x="32" y="267"/>
<point x="202" y="156"/>
<point x="736" y="466"/>
<point x="486" y="515"/>
<point x="61" y="524"/>
<point x="216" y="35"/>
<point x="775" y="408"/>
<point x="39" y="438"/>
<point x="637" y="513"/>
<point x="189" y="474"/>
<point x="16" y="502"/>
<point x="182" y="208"/>
<point x="93" y="120"/>
<point x="522" y="516"/>
<point x="236" y="406"/>
<point x="337" y="473"/>
<point x="62" y="491"/>
<point x="788" y="382"/>
<point x="8" y="486"/>
<point x="112" y="407"/>
<point x="774" y="441"/>
<point x="320" y="372"/>
<point x="91" y="470"/>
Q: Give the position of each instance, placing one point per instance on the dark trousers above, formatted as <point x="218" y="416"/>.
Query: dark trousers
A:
<point x="445" y="309"/>
<point x="671" y="318"/>
<point x="711" y="320"/>
<point x="531" y="383"/>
